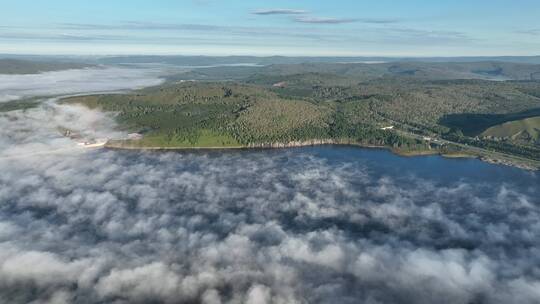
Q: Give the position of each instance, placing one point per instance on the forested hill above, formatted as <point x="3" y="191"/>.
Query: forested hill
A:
<point x="223" y="60"/>
<point x="487" y="70"/>
<point x="274" y="106"/>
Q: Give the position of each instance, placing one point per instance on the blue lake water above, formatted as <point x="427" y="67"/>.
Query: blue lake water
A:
<point x="381" y="162"/>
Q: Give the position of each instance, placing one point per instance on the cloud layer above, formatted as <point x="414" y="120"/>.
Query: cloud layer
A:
<point x="323" y="20"/>
<point x="304" y="16"/>
<point x="88" y="80"/>
<point x="33" y="133"/>
<point x="258" y="227"/>
<point x="280" y="11"/>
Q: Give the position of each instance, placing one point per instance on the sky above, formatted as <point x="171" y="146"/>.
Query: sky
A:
<point x="306" y="28"/>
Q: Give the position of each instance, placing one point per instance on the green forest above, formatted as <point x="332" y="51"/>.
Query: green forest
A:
<point x="275" y="105"/>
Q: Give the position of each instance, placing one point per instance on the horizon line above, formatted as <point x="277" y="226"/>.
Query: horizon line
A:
<point x="261" y="56"/>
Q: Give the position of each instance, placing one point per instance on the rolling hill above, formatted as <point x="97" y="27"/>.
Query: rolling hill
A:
<point x="520" y="130"/>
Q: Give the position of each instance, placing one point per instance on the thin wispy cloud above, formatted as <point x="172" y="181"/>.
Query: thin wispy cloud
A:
<point x="324" y="20"/>
<point x="279" y="11"/>
<point x="55" y="36"/>
<point x="304" y="16"/>
<point x="176" y="36"/>
<point x="379" y="21"/>
<point x="533" y="32"/>
<point x="241" y="23"/>
<point x="333" y="20"/>
<point x="140" y="26"/>
<point x="285" y="38"/>
<point x="172" y="32"/>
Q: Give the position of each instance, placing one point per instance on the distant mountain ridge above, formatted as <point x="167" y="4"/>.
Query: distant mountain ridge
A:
<point x="486" y="70"/>
<point x="184" y="60"/>
<point x="210" y="60"/>
<point x="16" y="66"/>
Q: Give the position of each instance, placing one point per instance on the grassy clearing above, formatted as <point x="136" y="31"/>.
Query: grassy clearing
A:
<point x="206" y="139"/>
<point x="524" y="127"/>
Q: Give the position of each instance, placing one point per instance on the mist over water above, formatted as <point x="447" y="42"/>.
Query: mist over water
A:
<point x="309" y="225"/>
<point x="99" y="79"/>
<point x="38" y="131"/>
<point x="306" y="225"/>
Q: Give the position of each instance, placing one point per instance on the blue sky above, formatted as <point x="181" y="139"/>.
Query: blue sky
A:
<point x="233" y="27"/>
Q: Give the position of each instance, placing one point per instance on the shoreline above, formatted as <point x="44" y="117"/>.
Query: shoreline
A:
<point x="265" y="146"/>
<point x="331" y="142"/>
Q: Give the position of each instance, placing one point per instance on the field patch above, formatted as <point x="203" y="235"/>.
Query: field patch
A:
<point x="519" y="129"/>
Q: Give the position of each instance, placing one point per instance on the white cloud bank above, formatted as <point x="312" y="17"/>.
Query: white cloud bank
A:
<point x="262" y="227"/>
<point x="13" y="87"/>
<point x="39" y="131"/>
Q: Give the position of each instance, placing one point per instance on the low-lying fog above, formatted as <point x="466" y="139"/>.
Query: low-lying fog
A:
<point x="289" y="226"/>
<point x="39" y="130"/>
<point x="97" y="79"/>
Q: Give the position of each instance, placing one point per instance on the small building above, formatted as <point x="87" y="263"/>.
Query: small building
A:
<point x="282" y="84"/>
<point x="387" y="128"/>
<point x="135" y="136"/>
